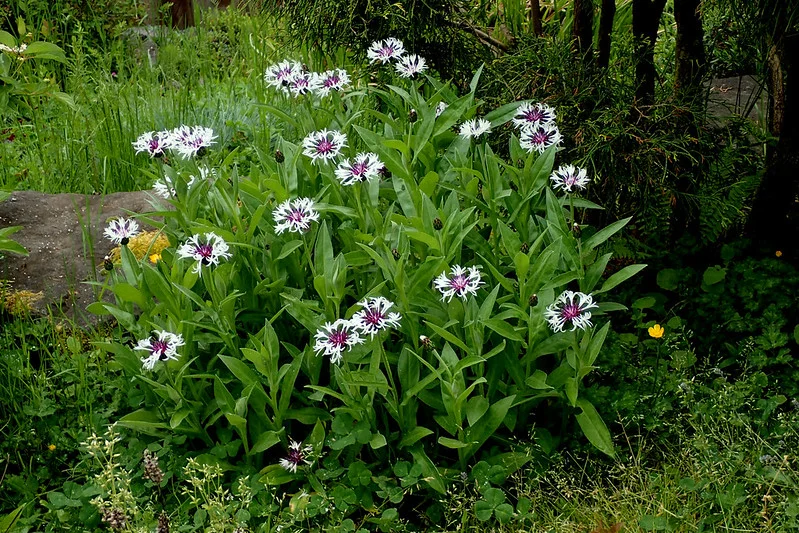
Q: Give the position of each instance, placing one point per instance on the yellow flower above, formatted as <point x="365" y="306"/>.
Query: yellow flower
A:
<point x="778" y="253"/>
<point x="656" y="331"/>
<point x="51" y="447"/>
<point x="155" y="258"/>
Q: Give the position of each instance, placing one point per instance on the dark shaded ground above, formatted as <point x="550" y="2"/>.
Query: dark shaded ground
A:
<point x="64" y="235"/>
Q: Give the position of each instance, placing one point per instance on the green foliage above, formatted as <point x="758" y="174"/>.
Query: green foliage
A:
<point x="454" y="380"/>
<point x="430" y="28"/>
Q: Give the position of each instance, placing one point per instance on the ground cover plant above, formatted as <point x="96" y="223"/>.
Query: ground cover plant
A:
<point x="372" y="299"/>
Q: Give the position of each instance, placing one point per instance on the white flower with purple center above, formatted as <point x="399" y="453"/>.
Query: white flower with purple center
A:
<point x="153" y="142"/>
<point x="162" y="346"/>
<point x="121" y="230"/>
<point x="570" y="308"/>
<point x="540" y="137"/>
<point x="474" y="128"/>
<point x="375" y="317"/>
<point x="364" y="167"/>
<point x="295" y="215"/>
<point x="410" y="65"/>
<point x="281" y="74"/>
<point x="331" y="80"/>
<point x="386" y="50"/>
<point x="207" y="250"/>
<point x="440" y="108"/>
<point x="569" y="176"/>
<point x="303" y="83"/>
<point x="461" y="282"/>
<point x="298" y="455"/>
<point x="532" y="115"/>
<point x="334" y="338"/>
<point x="190" y="142"/>
<point x="323" y="145"/>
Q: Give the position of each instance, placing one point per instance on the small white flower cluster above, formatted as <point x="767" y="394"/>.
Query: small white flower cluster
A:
<point x="16" y="50"/>
<point x="536" y="123"/>
<point x="391" y="49"/>
<point x="335" y="337"/>
<point x="185" y="140"/>
<point x="293" y="78"/>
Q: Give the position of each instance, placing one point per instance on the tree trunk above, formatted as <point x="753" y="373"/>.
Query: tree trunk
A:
<point x="646" y="20"/>
<point x="775" y="213"/>
<point x="583" y="29"/>
<point x="605" y="31"/>
<point x="534" y="10"/>
<point x="689" y="49"/>
<point x="182" y="13"/>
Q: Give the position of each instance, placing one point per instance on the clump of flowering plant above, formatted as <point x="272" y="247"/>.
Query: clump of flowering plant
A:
<point x="416" y="213"/>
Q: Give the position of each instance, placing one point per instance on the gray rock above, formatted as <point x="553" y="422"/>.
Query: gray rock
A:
<point x="739" y="95"/>
<point x="64" y="235"/>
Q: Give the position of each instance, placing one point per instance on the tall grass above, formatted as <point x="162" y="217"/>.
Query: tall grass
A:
<point x="210" y="75"/>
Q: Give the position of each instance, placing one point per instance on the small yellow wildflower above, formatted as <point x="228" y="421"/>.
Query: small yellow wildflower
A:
<point x="155" y="258"/>
<point x="778" y="253"/>
<point x="51" y="447"/>
<point x="656" y="331"/>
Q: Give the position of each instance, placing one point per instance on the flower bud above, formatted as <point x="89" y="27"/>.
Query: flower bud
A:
<point x="279" y="157"/>
<point x="437" y="224"/>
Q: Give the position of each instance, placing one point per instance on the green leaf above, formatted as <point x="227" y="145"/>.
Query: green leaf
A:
<point x="714" y="275"/>
<point x="538" y="380"/>
<point x="483" y="510"/>
<point x="657" y="523"/>
<point x="594" y="427"/>
<point x="129" y="293"/>
<point x="43" y="50"/>
<point x="597" y="341"/>
<point x="504" y="329"/>
<point x="796" y="334"/>
<point x="11" y="518"/>
<point x="504" y="512"/>
<point x="477" y="434"/>
<point x="668" y="279"/>
<point x="143" y="420"/>
<point x="414" y="435"/>
<point x="571" y="390"/>
<point x="604" y="234"/>
<point x="452" y="443"/>
<point x="619" y="277"/>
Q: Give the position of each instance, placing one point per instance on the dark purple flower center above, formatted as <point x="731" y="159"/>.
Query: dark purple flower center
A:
<point x="570" y="311"/>
<point x="160" y="348"/>
<point x="331" y="82"/>
<point x="534" y="115"/>
<point x="570" y="180"/>
<point x="540" y="137"/>
<point x="374" y="317"/>
<point x="295" y="456"/>
<point x="359" y="169"/>
<point x="339" y="338"/>
<point x="283" y="74"/>
<point x="296" y="216"/>
<point x="459" y="283"/>
<point x="155" y="145"/>
<point x="205" y="251"/>
<point x="324" y="146"/>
